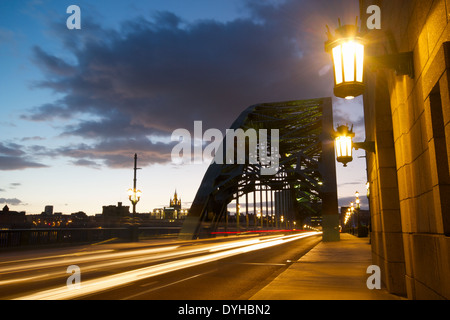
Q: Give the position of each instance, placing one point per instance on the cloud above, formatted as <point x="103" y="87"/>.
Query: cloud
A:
<point x="13" y="157"/>
<point x="53" y="65"/>
<point x="34" y="138"/>
<point x="11" y="149"/>
<point x="14" y="201"/>
<point x="114" y="127"/>
<point x="156" y="74"/>
<point x="86" y="163"/>
<point x="118" y="153"/>
<point x="17" y="163"/>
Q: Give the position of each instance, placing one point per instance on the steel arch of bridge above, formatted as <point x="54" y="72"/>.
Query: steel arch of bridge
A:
<point x="305" y="181"/>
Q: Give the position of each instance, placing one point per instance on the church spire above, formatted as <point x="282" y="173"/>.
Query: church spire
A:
<point x="176" y="201"/>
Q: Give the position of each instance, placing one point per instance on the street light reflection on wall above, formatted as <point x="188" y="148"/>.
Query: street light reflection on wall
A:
<point x="347" y="51"/>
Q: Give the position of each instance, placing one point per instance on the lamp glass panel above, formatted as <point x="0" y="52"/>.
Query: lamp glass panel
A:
<point x="359" y="62"/>
<point x="348" y="53"/>
<point x="344" y="146"/>
<point x="337" y="57"/>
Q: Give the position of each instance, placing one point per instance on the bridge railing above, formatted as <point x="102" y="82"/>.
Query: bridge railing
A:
<point x="16" y="238"/>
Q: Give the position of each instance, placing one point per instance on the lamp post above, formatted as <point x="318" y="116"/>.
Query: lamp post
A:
<point x="358" y="218"/>
<point x="134" y="195"/>
<point x="258" y="216"/>
<point x="357" y="201"/>
<point x="238" y="213"/>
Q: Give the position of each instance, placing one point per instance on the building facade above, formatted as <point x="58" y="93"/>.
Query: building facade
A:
<point x="409" y="120"/>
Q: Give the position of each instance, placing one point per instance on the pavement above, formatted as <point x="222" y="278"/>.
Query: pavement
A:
<point x="330" y="271"/>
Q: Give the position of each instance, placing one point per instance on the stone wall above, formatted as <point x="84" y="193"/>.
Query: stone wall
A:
<point x="409" y="119"/>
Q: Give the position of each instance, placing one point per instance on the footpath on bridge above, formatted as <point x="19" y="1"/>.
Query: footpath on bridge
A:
<point x="329" y="271"/>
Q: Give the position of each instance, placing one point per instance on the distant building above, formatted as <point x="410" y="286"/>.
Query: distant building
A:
<point x="173" y="212"/>
<point x="12" y="219"/>
<point x="113" y="216"/>
<point x="175" y="203"/>
<point x="116" y="211"/>
<point x="48" y="210"/>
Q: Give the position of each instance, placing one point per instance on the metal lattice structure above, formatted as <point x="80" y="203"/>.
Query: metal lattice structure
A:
<point x="297" y="186"/>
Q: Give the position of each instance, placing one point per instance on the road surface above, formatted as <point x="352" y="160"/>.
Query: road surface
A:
<point x="216" y="269"/>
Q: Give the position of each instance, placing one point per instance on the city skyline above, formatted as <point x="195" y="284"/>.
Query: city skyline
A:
<point x="78" y="104"/>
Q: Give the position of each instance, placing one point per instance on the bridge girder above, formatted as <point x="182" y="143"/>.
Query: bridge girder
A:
<point x="305" y="128"/>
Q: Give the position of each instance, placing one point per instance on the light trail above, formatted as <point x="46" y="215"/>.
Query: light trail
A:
<point x="147" y="255"/>
<point x="78" y="260"/>
<point x="75" y="254"/>
<point x="124" y="278"/>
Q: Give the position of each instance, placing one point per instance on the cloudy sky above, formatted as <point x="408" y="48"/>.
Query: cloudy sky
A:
<point x="75" y="105"/>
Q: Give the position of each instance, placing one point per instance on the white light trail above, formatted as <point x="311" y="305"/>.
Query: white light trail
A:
<point x="109" y="282"/>
<point x="76" y="259"/>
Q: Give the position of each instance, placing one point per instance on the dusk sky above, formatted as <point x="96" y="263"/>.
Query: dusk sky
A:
<point x="76" y="105"/>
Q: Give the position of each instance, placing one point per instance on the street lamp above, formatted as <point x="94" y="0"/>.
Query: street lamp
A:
<point x="134" y="196"/>
<point x="348" y="214"/>
<point x="344" y="144"/>
<point x="347" y="49"/>
<point x="347" y="52"/>
<point x="258" y="216"/>
<point x="238" y="213"/>
<point x="358" y="218"/>
<point x="357" y="201"/>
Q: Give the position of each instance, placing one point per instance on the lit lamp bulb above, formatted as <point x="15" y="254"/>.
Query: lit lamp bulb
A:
<point x="130" y="192"/>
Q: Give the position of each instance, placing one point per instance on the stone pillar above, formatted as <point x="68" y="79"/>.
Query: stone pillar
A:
<point x="330" y="212"/>
<point x="386" y="236"/>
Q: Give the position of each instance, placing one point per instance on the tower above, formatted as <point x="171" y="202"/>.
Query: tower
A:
<point x="175" y="203"/>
